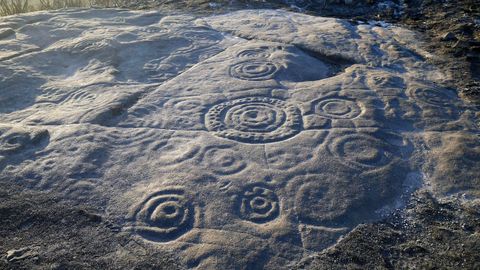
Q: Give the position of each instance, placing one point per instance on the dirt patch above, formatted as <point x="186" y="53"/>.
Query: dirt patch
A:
<point x="428" y="235"/>
<point x="453" y="28"/>
<point x="39" y="232"/>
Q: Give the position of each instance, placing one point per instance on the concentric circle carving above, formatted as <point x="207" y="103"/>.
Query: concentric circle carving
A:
<point x="254" y="120"/>
<point x="164" y="216"/>
<point x="254" y="70"/>
<point x="259" y="204"/>
<point x="336" y="108"/>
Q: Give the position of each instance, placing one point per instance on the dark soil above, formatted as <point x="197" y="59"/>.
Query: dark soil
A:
<point x="40" y="232"/>
<point x="427" y="235"/>
<point x="453" y="28"/>
<point x="450" y="27"/>
<point x="37" y="231"/>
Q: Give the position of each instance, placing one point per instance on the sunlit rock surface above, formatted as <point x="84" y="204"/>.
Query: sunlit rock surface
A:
<point x="246" y="140"/>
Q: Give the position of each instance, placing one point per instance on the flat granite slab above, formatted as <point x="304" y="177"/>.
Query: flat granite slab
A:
<point x="240" y="141"/>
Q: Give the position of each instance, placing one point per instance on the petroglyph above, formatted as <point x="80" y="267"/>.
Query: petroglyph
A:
<point x="336" y="108"/>
<point x="164" y="215"/>
<point x="363" y="151"/>
<point x="255" y="53"/>
<point x="254" y="120"/>
<point x="254" y="70"/>
<point x="243" y="140"/>
<point x="259" y="204"/>
<point x="223" y="160"/>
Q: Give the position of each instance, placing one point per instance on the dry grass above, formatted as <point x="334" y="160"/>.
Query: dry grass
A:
<point x="107" y="3"/>
<point x="11" y="7"/>
<point x="58" y="4"/>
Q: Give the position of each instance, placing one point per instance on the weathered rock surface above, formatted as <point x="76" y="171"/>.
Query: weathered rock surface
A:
<point x="246" y="140"/>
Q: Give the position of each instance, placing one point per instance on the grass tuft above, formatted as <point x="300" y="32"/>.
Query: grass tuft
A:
<point x="12" y="7"/>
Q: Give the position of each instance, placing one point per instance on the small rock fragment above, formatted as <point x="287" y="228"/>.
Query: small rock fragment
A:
<point x="449" y="36"/>
<point x="14" y="255"/>
<point x="91" y="216"/>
